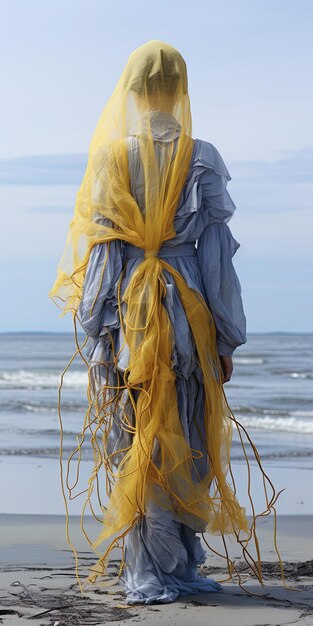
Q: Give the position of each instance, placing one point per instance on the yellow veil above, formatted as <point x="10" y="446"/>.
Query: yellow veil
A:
<point x="154" y="79"/>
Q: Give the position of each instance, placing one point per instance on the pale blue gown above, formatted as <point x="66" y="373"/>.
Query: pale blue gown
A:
<point x="162" y="555"/>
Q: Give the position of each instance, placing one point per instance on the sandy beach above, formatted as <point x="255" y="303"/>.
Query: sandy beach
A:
<point x="38" y="583"/>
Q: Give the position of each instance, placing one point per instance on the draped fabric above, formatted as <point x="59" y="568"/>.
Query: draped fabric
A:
<point x="120" y="274"/>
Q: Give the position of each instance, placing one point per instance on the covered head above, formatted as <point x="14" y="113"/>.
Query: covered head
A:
<point x="156" y="68"/>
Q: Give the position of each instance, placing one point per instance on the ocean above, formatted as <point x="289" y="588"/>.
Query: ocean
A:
<point x="270" y="394"/>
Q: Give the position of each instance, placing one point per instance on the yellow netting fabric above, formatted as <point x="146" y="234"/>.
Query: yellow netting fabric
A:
<point x="154" y="79"/>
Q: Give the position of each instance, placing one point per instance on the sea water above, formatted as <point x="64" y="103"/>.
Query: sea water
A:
<point x="270" y="394"/>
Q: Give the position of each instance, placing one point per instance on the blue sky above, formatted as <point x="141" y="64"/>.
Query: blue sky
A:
<point x="251" y="96"/>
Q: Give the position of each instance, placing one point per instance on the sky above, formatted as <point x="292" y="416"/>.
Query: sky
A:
<point x="249" y="68"/>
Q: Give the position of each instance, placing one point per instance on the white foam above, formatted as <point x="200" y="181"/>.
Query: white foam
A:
<point x="243" y="360"/>
<point x="282" y="424"/>
<point x="299" y="375"/>
<point x="31" y="379"/>
<point x="303" y="413"/>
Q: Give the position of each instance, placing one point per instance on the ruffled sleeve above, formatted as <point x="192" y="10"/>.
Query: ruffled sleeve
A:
<point x="215" y="249"/>
<point x="98" y="307"/>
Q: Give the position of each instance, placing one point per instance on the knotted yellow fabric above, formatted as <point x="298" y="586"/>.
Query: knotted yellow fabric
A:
<point x="159" y="463"/>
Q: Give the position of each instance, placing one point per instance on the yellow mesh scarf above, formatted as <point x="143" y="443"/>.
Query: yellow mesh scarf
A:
<point x="154" y="79"/>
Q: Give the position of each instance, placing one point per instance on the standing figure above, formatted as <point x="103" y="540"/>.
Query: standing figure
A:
<point x="147" y="271"/>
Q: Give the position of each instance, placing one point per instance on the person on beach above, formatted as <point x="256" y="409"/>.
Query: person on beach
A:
<point x="147" y="271"/>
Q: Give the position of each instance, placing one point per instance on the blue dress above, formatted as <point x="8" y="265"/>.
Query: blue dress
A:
<point x="162" y="555"/>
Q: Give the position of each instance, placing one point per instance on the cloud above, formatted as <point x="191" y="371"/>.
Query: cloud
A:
<point x="54" y="169"/>
<point x="294" y="166"/>
<point x="282" y="187"/>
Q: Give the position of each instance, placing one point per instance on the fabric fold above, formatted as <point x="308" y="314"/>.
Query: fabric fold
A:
<point x="162" y="559"/>
<point x="222" y="285"/>
<point x="204" y="209"/>
<point x="206" y="186"/>
<point x="98" y="306"/>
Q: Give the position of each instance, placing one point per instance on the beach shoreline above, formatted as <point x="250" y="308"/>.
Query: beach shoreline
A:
<point x="39" y="492"/>
<point x="37" y="577"/>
